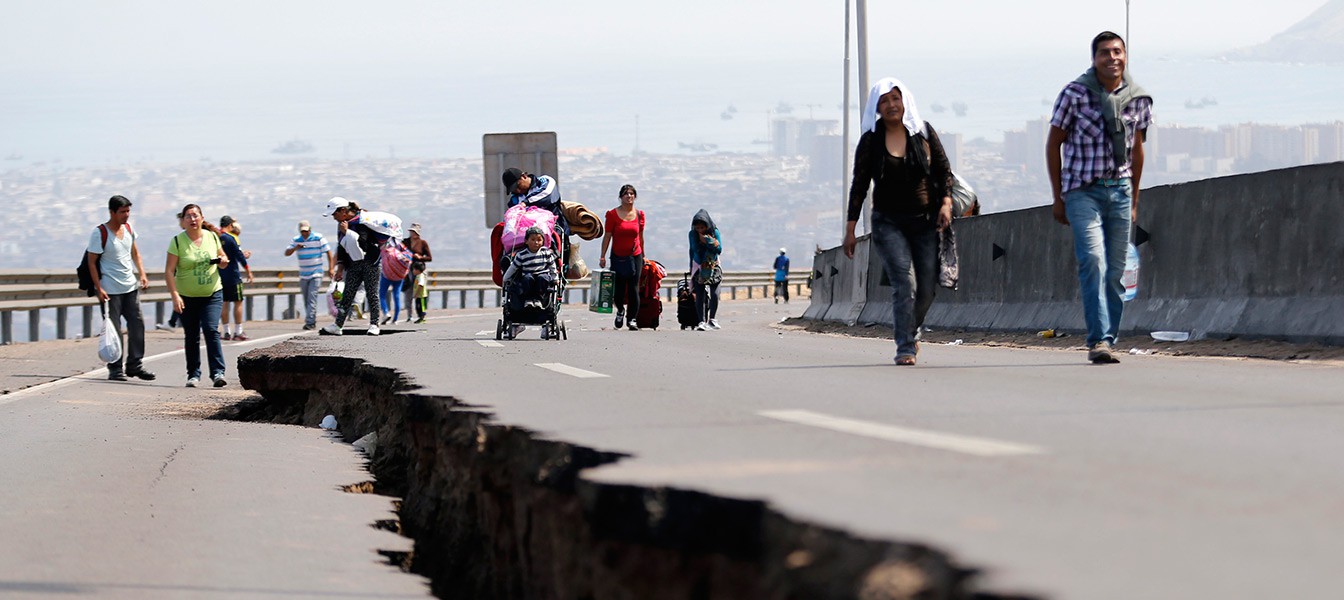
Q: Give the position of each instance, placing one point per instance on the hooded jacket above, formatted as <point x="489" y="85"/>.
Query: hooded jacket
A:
<point x="701" y="252"/>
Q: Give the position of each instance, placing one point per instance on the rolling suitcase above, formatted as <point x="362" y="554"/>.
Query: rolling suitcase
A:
<point x="687" y="316"/>
<point x="650" y="306"/>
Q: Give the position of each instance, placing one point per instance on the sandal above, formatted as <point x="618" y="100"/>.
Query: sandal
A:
<point x="906" y="361"/>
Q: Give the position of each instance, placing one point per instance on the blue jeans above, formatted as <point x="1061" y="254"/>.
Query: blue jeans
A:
<point x="309" y="288"/>
<point x="1099" y="215"/>
<point x="389" y="289"/>
<point x="908" y="249"/>
<point x="202" y="315"/>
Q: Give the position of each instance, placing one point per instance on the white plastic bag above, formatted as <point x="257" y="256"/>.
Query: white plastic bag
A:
<point x="109" y="341"/>
<point x="334" y="294"/>
<point x="1130" y="278"/>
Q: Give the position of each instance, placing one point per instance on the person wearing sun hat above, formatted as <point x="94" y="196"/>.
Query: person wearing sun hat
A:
<point x="311" y="247"/>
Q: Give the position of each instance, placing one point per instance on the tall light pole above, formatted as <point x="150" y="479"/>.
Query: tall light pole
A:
<point x="1126" y="26"/>
<point x="844" y="136"/>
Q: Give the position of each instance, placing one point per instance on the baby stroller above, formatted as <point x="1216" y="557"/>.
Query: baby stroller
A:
<point x="517" y="313"/>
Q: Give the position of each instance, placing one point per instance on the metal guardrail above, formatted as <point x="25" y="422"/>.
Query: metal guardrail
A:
<point x="34" y="291"/>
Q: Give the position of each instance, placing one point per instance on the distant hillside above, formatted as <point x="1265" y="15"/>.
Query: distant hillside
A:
<point x="1319" y="38"/>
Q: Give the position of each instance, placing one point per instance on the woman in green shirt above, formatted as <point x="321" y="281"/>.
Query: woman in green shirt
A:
<point x="194" y="259"/>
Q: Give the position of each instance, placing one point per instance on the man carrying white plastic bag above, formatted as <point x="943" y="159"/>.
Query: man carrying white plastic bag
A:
<point x="109" y="341"/>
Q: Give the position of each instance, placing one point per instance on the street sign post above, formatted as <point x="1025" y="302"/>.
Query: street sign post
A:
<point x="533" y="152"/>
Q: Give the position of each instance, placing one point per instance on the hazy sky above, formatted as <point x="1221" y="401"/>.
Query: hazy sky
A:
<point x="157" y="80"/>
<point x="73" y="37"/>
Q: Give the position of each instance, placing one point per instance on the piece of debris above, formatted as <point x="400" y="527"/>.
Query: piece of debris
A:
<point x="328" y="422"/>
<point x="1171" y="336"/>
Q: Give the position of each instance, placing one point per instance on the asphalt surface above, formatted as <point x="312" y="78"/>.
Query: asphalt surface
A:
<point x="122" y="490"/>
<point x="1160" y="477"/>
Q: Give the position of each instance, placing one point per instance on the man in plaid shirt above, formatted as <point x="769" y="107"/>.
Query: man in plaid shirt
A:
<point x="1094" y="155"/>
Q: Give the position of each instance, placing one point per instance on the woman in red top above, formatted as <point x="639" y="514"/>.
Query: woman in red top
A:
<point x="625" y="238"/>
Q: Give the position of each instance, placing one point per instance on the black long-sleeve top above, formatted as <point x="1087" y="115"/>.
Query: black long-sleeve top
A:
<point x="915" y="184"/>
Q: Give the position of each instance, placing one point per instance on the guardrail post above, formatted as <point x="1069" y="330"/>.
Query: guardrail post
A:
<point x="461" y="298"/>
<point x="158" y="313"/>
<point x="270" y="309"/>
<point x="499" y="298"/>
<point x="248" y="304"/>
<point x="584" y="296"/>
<point x="6" y="327"/>
<point x="34" y="322"/>
<point x="61" y="314"/>
<point x="445" y="299"/>
<point x="293" y="312"/>
<point x="88" y="321"/>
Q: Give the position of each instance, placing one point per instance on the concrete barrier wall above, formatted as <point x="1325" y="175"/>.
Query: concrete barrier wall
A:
<point x="1259" y="255"/>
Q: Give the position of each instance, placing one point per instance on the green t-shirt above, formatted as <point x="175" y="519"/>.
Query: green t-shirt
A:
<point x="196" y="277"/>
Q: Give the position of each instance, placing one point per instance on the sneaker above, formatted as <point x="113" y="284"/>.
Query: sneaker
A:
<point x="1101" y="354"/>
<point x="373" y="329"/>
<point x="387" y="320"/>
<point x="518" y="329"/>
<point x="240" y="337"/>
<point x="309" y="326"/>
<point x="220" y="381"/>
<point x="714" y="324"/>
<point x="620" y="319"/>
<point x="332" y="329"/>
<point x="701" y="326"/>
<point x="906" y="360"/>
<point x="420" y="320"/>
<point x="776" y="299"/>
<point x="545" y="332"/>
<point x="192" y="381"/>
<point x="116" y="376"/>
<point x="164" y="327"/>
<point x="141" y="374"/>
<point x="633" y="326"/>
<point x="226" y="337"/>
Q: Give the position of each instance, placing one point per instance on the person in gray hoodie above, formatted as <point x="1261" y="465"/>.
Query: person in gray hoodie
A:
<point x="705" y="245"/>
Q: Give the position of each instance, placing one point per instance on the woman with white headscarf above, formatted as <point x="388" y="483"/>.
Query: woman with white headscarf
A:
<point x="900" y="157"/>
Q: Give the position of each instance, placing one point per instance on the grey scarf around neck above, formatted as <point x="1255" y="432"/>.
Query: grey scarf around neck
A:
<point x="1112" y="104"/>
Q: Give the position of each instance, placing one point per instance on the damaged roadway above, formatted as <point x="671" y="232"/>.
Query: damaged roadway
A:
<point x="1161" y="477"/>
<point x="126" y="490"/>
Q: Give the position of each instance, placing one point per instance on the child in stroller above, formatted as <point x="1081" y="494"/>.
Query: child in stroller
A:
<point x="532" y="273"/>
<point x="532" y="287"/>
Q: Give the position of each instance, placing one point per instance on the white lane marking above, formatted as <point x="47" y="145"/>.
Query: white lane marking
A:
<point x="101" y="372"/>
<point x="919" y="437"/>
<point x="485" y="332"/>
<point x="490" y="343"/>
<point x="572" y="371"/>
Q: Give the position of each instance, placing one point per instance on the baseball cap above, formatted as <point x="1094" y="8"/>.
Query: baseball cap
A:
<point x="511" y="177"/>
<point x="781" y="251"/>
<point x="335" y="203"/>
<point x="225" y="221"/>
<point x="305" y="226"/>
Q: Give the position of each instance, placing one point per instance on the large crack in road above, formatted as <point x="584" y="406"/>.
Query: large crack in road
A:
<point x="498" y="512"/>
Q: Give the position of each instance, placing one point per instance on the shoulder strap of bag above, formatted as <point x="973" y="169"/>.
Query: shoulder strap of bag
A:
<point x="642" y="249"/>
<point x="102" y="229"/>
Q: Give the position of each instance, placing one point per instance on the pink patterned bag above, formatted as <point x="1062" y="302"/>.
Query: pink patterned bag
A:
<point x="519" y="218"/>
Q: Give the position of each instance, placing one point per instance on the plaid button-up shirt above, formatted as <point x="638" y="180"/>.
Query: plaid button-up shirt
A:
<point x="1087" y="147"/>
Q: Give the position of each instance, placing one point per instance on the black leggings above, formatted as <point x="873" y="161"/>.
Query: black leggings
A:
<point x="627" y="287"/>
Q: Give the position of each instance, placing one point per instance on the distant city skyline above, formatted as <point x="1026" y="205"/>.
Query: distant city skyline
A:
<point x="97" y="83"/>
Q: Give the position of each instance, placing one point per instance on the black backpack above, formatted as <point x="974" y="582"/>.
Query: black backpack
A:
<point x="82" y="271"/>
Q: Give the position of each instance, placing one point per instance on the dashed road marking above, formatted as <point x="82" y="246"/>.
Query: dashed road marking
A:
<point x="490" y="343"/>
<point x="964" y="444"/>
<point x="571" y="371"/>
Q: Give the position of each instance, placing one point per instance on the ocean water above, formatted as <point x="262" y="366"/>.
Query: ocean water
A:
<point x="356" y="112"/>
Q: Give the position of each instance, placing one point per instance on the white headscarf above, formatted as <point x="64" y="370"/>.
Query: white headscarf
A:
<point x="913" y="124"/>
